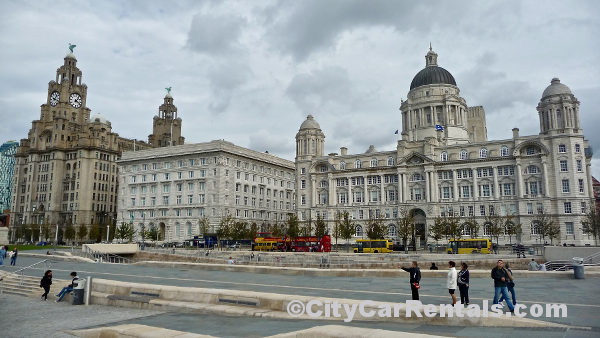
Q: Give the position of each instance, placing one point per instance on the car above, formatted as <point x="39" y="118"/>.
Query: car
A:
<point x="234" y="246"/>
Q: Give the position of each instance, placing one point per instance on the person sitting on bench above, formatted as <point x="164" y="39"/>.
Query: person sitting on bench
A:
<point x="68" y="288"/>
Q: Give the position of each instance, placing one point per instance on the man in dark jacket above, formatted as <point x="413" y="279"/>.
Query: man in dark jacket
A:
<point x="501" y="277"/>
<point x="68" y="288"/>
<point x="415" y="278"/>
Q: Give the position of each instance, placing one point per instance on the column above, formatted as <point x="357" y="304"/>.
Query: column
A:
<point x="332" y="190"/>
<point x="455" y="184"/>
<point x="313" y="189"/>
<point x="475" y="186"/>
<point x="496" y="187"/>
<point x="520" y="180"/>
<point x="400" y="194"/>
<point x="428" y="186"/>
<point x="590" y="188"/>
<point x="365" y="197"/>
<point x="545" y="177"/>
<point x="382" y="191"/>
<point x="350" y="197"/>
<point x="404" y="189"/>
<point x="434" y="190"/>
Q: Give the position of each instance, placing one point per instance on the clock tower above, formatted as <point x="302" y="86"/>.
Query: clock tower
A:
<point x="166" y="126"/>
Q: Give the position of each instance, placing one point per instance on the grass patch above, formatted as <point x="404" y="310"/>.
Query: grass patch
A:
<point x="25" y="247"/>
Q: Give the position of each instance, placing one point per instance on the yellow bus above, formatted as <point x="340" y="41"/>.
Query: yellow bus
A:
<point x="469" y="245"/>
<point x="373" y="246"/>
<point x="264" y="245"/>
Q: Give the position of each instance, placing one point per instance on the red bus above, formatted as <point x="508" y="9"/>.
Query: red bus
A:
<point x="311" y="244"/>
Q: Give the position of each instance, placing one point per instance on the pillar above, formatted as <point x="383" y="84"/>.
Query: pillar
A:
<point x="496" y="185"/>
<point x="455" y="184"/>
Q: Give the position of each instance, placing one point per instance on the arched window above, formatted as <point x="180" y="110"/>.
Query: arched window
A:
<point x="483" y="153"/>
<point x="373" y="162"/>
<point x="357" y="164"/>
<point x="444" y="156"/>
<point x="359" y="231"/>
<point x="487" y="229"/>
<point x="177" y="229"/>
<point x="504" y="151"/>
<point x="342" y="165"/>
<point x="464" y="155"/>
<point x="392" y="230"/>
<point x="416" y="177"/>
<point x="535" y="228"/>
<point x="390" y="161"/>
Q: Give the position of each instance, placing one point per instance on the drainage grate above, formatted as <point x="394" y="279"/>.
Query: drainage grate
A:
<point x="238" y="301"/>
<point x="146" y="294"/>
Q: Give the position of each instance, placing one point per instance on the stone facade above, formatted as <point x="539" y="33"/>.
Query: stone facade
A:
<point x="166" y="126"/>
<point x="173" y="188"/>
<point x="445" y="164"/>
<point x="65" y="170"/>
<point x="7" y="166"/>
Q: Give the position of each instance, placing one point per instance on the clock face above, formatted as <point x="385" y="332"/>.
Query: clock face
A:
<point x="54" y="97"/>
<point x="75" y="100"/>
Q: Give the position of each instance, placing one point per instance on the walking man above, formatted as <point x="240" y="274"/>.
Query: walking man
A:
<point x="13" y="256"/>
<point x="501" y="277"/>
<point x="451" y="281"/>
<point x="415" y="279"/>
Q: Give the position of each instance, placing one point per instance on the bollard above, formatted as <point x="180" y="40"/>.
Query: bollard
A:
<point x="578" y="272"/>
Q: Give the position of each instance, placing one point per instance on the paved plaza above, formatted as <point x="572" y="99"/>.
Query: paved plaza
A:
<point x="581" y="296"/>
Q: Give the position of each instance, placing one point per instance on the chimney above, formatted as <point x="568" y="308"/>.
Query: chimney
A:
<point x="343" y="151"/>
<point x="515" y="132"/>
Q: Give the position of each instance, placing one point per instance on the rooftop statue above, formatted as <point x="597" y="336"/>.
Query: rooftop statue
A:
<point x="71" y="47"/>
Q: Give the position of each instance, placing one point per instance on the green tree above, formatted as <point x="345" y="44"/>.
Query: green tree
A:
<point x="591" y="224"/>
<point x="512" y="229"/>
<point x="82" y="232"/>
<point x="308" y="226"/>
<point x="472" y="226"/>
<point x="35" y="232"/>
<point x="495" y="227"/>
<point x="406" y="226"/>
<point x="546" y="225"/>
<point x="125" y="231"/>
<point x="553" y="232"/>
<point x="453" y="227"/>
<point x="46" y="231"/>
<point x="277" y="230"/>
<point x="320" y="227"/>
<point x="204" y="225"/>
<point x="375" y="228"/>
<point x="152" y="234"/>
<point x="252" y="231"/>
<point x="26" y="232"/>
<point x="239" y="230"/>
<point x="70" y="232"/>
<point x="225" y="228"/>
<point x="347" y="228"/>
<point x="95" y="233"/>
<point x="438" y="230"/>
<point x="293" y="229"/>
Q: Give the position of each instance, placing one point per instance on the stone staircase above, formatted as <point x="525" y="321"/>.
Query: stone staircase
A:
<point x="30" y="286"/>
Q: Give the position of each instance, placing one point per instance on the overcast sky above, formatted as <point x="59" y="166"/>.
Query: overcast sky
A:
<point x="250" y="71"/>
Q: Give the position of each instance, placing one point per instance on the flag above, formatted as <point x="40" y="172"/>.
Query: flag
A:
<point x="396" y="132"/>
<point x="438" y="127"/>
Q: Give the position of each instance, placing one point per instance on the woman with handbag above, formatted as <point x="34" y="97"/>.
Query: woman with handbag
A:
<point x="510" y="285"/>
<point x="463" y="283"/>
<point x="415" y="278"/>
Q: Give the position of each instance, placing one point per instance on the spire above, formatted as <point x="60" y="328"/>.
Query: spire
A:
<point x="430" y="49"/>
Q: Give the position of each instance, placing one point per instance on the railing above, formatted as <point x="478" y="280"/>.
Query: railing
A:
<point x="591" y="260"/>
<point x="106" y="257"/>
<point x="47" y="264"/>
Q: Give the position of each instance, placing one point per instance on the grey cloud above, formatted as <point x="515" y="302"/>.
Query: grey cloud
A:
<point x="225" y="79"/>
<point x="263" y="140"/>
<point x="215" y="34"/>
<point x="311" y="91"/>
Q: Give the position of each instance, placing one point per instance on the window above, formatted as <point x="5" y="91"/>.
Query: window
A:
<point x="342" y="165"/>
<point x="583" y="207"/>
<point x="531" y="169"/>
<point x="390" y="161"/>
<point x="563" y="166"/>
<point x="373" y="162"/>
<point x="562" y="148"/>
<point x="535" y="228"/>
<point x="392" y="230"/>
<point x="464" y="155"/>
<point x="504" y="151"/>
<point x="579" y="166"/>
<point x="530" y="208"/>
<point x="581" y="185"/>
<point x="303" y="170"/>
<point x="568" y="208"/>
<point x="303" y="184"/>
<point x="445" y="192"/>
<point x="482" y="210"/>
<point x="577" y="148"/>
<point x="359" y="231"/>
<point x="530" y="151"/>
<point x="565" y="186"/>
<point x="444" y="156"/>
<point x="569" y="226"/>
<point x="483" y="153"/>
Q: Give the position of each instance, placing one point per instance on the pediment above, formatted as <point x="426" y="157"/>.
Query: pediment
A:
<point x="415" y="158"/>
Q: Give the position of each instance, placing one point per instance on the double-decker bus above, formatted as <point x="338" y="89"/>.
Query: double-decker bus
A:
<point x="469" y="245"/>
<point x="373" y="246"/>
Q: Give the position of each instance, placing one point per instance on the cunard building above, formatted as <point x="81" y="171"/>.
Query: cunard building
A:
<point x="444" y="164"/>
<point x="65" y="170"/>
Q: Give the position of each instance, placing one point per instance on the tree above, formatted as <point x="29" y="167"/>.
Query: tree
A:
<point x="545" y="224"/>
<point x="26" y="232"/>
<point x="95" y="233"/>
<point x="251" y="233"/>
<point x="591" y="224"/>
<point x="46" y="231"/>
<point x="472" y="226"/>
<point x="346" y="227"/>
<point x="513" y="229"/>
<point x="152" y="234"/>
<point x="495" y="225"/>
<point x="553" y="232"/>
<point x="82" y="232"/>
<point x="375" y="228"/>
<point x="70" y="232"/>
<point x="277" y="230"/>
<point x="203" y="223"/>
<point x="307" y="228"/>
<point x="453" y="227"/>
<point x="125" y="231"/>
<point x="35" y="232"/>
<point x="239" y="230"/>
<point x="438" y="230"/>
<point x="225" y="228"/>
<point x="320" y="227"/>
<point x="293" y="229"/>
<point x="406" y="226"/>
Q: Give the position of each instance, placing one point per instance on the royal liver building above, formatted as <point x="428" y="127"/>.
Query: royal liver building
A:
<point x="444" y="165"/>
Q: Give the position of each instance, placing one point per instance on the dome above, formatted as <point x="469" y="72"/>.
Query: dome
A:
<point x="70" y="56"/>
<point x="556" y="88"/>
<point x="310" y="123"/>
<point x="99" y="118"/>
<point x="432" y="75"/>
<point x="168" y="96"/>
<point x="371" y="149"/>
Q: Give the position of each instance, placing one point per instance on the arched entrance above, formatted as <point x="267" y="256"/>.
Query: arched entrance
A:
<point x="162" y="230"/>
<point x="420" y="236"/>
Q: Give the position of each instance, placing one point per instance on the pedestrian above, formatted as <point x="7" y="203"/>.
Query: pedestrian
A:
<point x="463" y="283"/>
<point x="433" y="266"/>
<point x="542" y="267"/>
<point x="533" y="265"/>
<point x="2" y="254"/>
<point x="510" y="286"/>
<point x="478" y="247"/>
<point x="501" y="278"/>
<point x="13" y="256"/>
<point x="230" y="261"/>
<point x="451" y="280"/>
<point x="495" y="248"/>
<point x="45" y="283"/>
<point x="414" y="279"/>
<point x="68" y="288"/>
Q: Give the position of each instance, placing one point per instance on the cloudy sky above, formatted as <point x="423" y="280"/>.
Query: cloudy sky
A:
<point x="250" y="71"/>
